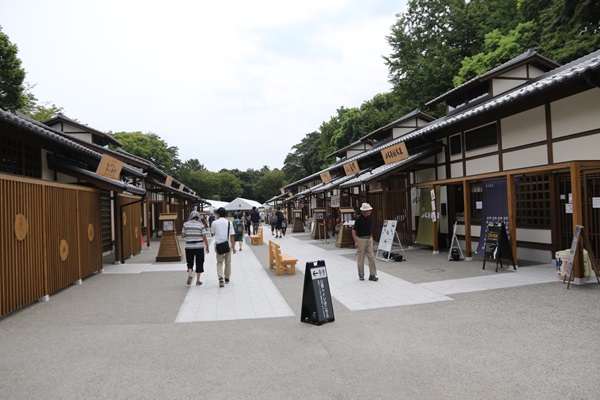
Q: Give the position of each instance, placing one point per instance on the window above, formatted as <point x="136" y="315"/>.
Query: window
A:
<point x="455" y="145"/>
<point x="481" y="137"/>
<point x="533" y="201"/>
<point x="19" y="158"/>
<point x="476" y="197"/>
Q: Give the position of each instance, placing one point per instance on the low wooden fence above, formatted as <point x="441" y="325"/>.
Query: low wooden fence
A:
<point x="49" y="238"/>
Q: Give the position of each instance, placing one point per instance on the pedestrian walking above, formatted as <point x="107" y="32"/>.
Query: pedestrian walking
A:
<point x="255" y="219"/>
<point x="363" y="241"/>
<point x="279" y="223"/>
<point x="194" y="233"/>
<point x="238" y="228"/>
<point x="224" y="235"/>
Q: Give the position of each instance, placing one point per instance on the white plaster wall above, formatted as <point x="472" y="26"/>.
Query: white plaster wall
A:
<point x="520" y="72"/>
<point x="425" y="175"/>
<point x="456" y="170"/>
<point x="500" y="86"/>
<point x="575" y="114"/>
<point x="483" y="165"/>
<point x="47" y="173"/>
<point x="525" y="158"/>
<point x="400" y="131"/>
<point x="523" y="128"/>
<point x="584" y="148"/>
<point x="482" y="150"/>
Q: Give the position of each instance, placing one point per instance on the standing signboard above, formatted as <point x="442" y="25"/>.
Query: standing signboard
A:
<point x="317" y="307"/>
<point x="497" y="245"/>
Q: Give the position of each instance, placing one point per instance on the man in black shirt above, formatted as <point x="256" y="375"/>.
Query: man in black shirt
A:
<point x="363" y="241"/>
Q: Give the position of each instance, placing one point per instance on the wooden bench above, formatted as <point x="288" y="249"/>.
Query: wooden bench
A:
<point x="258" y="238"/>
<point x="280" y="261"/>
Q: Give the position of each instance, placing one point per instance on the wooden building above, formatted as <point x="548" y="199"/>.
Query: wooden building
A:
<point x="65" y="201"/>
<point x="529" y="124"/>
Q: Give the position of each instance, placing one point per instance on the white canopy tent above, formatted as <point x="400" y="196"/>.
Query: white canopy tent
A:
<point x="241" y="204"/>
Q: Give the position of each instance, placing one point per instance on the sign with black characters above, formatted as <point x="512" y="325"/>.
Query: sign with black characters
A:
<point x="395" y="153"/>
<point x="317" y="307"/>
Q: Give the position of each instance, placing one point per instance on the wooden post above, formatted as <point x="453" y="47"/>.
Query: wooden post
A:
<point x="512" y="216"/>
<point x="467" y="211"/>
<point x="436" y="245"/>
<point x="148" y="227"/>
<point x="577" y="214"/>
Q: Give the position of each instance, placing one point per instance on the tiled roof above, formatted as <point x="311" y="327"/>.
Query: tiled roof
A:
<point x="528" y="55"/>
<point x="383" y="169"/>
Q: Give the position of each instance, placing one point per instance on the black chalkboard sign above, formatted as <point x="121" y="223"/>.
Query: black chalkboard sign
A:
<point x="317" y="307"/>
<point x="497" y="245"/>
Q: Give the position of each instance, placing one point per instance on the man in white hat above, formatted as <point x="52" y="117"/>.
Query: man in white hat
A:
<point x="363" y="241"/>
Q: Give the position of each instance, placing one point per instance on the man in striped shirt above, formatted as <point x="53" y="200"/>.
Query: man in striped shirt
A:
<point x="194" y="234"/>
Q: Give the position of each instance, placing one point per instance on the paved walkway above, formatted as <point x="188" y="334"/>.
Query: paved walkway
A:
<point x="429" y="329"/>
<point x="252" y="294"/>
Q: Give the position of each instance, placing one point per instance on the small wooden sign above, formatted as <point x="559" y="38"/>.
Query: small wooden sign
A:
<point x="169" y="181"/>
<point x="351" y="168"/>
<point x="325" y="176"/>
<point x="395" y="153"/>
<point x="181" y="186"/>
<point x="109" y="167"/>
<point x="282" y="190"/>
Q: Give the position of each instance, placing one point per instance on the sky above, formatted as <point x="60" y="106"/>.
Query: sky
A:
<point x="234" y="84"/>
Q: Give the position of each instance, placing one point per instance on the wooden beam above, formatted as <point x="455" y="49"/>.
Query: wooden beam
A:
<point x="577" y="214"/>
<point x="512" y="215"/>
<point x="467" y="215"/>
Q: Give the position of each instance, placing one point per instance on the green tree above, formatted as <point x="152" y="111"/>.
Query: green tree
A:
<point x="426" y="52"/>
<point x="304" y="159"/>
<point x="498" y="49"/>
<point x="569" y="29"/>
<point x="268" y="184"/>
<point x="41" y="112"/>
<point x="12" y="76"/>
<point x="228" y="186"/>
<point x="152" y="148"/>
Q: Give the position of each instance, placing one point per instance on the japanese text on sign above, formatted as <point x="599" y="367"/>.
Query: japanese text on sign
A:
<point x="395" y="153"/>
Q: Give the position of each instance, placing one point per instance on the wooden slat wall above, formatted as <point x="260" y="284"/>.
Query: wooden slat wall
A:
<point x="131" y="228"/>
<point x="32" y="268"/>
<point x="21" y="261"/>
<point x="106" y="221"/>
<point x="90" y="233"/>
<point x="61" y="228"/>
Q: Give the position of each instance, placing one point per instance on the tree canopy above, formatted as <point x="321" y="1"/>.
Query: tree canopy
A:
<point x="12" y="75"/>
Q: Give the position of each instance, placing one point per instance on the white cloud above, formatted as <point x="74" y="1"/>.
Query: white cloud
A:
<point x="234" y="84"/>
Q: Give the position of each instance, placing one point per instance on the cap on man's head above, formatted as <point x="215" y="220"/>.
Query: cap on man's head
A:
<point x="194" y="214"/>
<point x="366" y="207"/>
<point x="221" y="212"/>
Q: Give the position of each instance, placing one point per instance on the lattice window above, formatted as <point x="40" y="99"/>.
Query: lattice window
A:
<point x="19" y="158"/>
<point x="533" y="201"/>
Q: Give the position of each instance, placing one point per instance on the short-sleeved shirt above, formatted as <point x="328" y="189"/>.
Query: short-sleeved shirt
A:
<point x="194" y="230"/>
<point x="362" y="226"/>
<point x="219" y="228"/>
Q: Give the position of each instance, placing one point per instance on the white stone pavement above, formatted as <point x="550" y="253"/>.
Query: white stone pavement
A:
<point x="252" y="294"/>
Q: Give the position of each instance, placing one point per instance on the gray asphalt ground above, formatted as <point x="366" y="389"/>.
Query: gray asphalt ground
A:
<point x="114" y="337"/>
